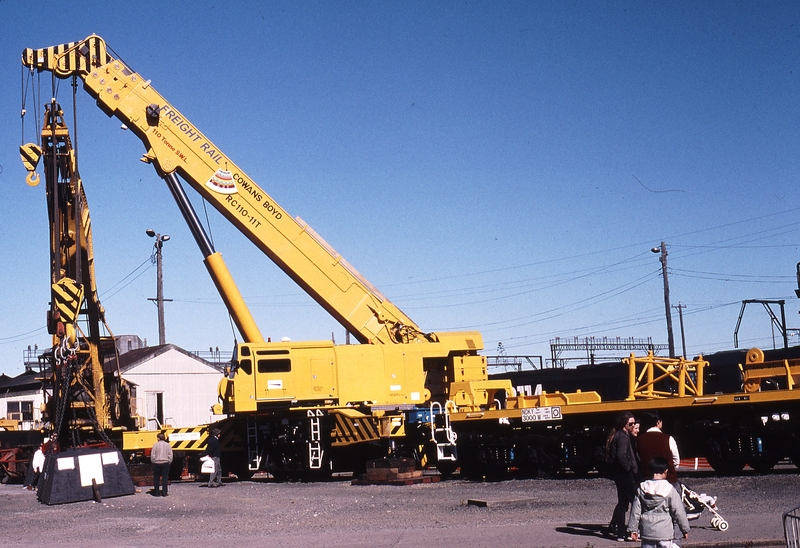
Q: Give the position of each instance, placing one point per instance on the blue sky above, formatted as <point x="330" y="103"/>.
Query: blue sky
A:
<point x="499" y="166"/>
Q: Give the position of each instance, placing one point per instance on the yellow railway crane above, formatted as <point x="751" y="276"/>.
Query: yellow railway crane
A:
<point x="299" y="406"/>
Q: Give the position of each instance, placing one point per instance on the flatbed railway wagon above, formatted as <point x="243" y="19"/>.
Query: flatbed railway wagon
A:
<point x="733" y="415"/>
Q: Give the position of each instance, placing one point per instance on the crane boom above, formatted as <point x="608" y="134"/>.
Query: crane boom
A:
<point x="175" y="145"/>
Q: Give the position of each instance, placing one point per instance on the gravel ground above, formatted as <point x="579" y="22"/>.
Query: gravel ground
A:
<point x="537" y="512"/>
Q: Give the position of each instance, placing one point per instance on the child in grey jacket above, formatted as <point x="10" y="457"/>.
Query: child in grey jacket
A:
<point x="656" y="510"/>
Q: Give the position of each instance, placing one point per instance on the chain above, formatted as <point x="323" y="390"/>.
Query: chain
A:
<point x="93" y="417"/>
<point x="62" y="373"/>
<point x="66" y="361"/>
<point x="74" y="432"/>
<point x="65" y="365"/>
<point x="62" y="370"/>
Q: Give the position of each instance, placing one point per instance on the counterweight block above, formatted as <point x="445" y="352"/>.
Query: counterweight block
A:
<point x="84" y="474"/>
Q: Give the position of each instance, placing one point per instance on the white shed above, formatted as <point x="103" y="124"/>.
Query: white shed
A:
<point x="21" y="399"/>
<point x="172" y="386"/>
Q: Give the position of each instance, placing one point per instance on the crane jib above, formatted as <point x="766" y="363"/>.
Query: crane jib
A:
<point x="223" y="181"/>
<point x="176" y="146"/>
<point x="191" y="132"/>
<point x="185" y="127"/>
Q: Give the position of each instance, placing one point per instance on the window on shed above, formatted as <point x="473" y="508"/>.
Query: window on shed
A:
<point x="19" y="410"/>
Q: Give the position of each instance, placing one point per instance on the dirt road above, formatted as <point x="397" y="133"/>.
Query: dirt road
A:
<point x="537" y="513"/>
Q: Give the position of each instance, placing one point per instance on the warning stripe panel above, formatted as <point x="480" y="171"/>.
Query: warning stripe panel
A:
<point x="180" y="439"/>
<point x="349" y="430"/>
<point x="70" y="58"/>
<point x="68" y="297"/>
<point x="423" y="456"/>
<point x="188" y="439"/>
<point x="86" y="222"/>
<point x="397" y="428"/>
<point x="31" y="154"/>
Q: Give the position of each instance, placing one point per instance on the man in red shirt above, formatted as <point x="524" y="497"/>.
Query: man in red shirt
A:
<point x="655" y="443"/>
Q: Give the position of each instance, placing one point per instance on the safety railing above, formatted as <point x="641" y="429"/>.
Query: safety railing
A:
<point x="791" y="528"/>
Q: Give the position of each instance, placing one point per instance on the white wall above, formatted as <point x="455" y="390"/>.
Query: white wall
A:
<point x="35" y="396"/>
<point x="189" y="389"/>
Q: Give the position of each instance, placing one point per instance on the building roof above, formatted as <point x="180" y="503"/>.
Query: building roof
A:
<point x="29" y="380"/>
<point x="132" y="358"/>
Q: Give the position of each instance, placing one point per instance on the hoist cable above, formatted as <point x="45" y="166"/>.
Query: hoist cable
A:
<point x="75" y="123"/>
<point x="37" y="114"/>
<point x="23" y="81"/>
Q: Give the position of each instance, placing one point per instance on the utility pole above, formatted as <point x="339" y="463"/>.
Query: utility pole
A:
<point x="663" y="259"/>
<point x="680" y="308"/>
<point x="159" y="243"/>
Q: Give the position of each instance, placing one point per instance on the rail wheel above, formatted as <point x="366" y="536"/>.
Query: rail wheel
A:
<point x="727" y="466"/>
<point x="526" y="458"/>
<point x="581" y="471"/>
<point x="722" y="459"/>
<point x="549" y="469"/>
<point x="237" y="464"/>
<point x="243" y="473"/>
<point x="446" y="467"/>
<point x="764" y="465"/>
<point x="794" y="455"/>
<point x="318" y="474"/>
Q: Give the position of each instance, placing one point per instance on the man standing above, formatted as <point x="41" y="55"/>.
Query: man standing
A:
<point x="655" y="443"/>
<point x="214" y="451"/>
<point x="161" y="457"/>
<point x="623" y="471"/>
<point x="35" y="469"/>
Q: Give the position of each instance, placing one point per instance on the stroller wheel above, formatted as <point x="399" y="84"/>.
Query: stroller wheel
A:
<point x="715" y="522"/>
<point x="722" y="525"/>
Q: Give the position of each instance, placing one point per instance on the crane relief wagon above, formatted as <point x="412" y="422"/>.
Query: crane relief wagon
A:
<point x="298" y="407"/>
<point x="310" y="408"/>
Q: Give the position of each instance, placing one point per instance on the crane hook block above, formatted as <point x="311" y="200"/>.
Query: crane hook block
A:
<point x="31" y="153"/>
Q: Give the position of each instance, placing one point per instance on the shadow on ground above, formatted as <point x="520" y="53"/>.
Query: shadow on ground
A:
<point x="592" y="530"/>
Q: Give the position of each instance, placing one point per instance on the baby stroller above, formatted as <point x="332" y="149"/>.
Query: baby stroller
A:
<point x="695" y="503"/>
